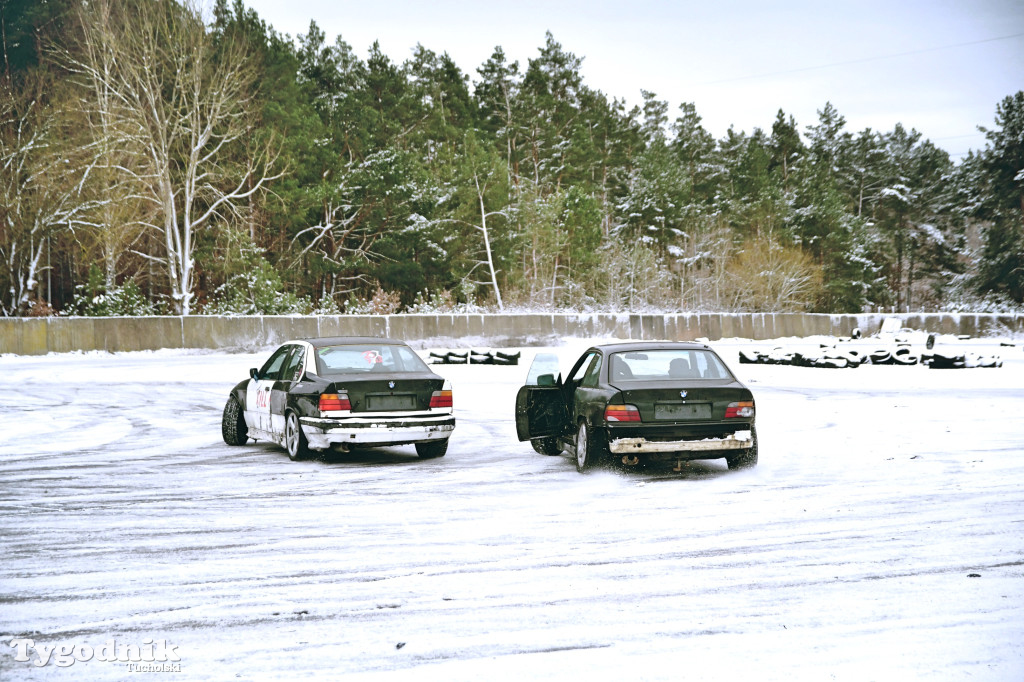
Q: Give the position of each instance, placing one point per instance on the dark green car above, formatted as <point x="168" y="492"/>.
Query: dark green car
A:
<point x="641" y="401"/>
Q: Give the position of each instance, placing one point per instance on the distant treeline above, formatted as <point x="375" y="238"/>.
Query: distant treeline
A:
<point x="155" y="161"/>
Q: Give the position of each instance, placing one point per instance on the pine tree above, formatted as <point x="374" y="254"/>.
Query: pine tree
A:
<point x="1002" y="162"/>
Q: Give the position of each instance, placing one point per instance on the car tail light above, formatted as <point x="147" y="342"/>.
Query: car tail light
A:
<point x="334" y="402"/>
<point x="441" y="399"/>
<point x="621" y="413"/>
<point x="743" y="409"/>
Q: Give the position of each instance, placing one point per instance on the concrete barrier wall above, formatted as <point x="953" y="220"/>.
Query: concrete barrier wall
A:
<point x="38" y="336"/>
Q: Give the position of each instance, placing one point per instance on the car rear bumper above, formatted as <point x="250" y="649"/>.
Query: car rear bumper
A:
<point x="741" y="440"/>
<point x="323" y="433"/>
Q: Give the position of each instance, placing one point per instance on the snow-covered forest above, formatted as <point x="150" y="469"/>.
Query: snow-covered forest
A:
<point x="159" y="160"/>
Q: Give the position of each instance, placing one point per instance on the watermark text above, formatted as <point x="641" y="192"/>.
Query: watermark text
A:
<point x="64" y="654"/>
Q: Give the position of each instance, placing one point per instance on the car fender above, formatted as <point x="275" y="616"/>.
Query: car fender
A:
<point x="303" y="404"/>
<point x="304" y="396"/>
<point x="590" y="406"/>
<point x="239" y="391"/>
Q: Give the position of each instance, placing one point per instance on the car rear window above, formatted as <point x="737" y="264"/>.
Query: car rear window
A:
<point x="365" y="358"/>
<point x="666" y="365"/>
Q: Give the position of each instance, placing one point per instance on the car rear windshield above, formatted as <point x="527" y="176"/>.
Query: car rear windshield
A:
<point x="366" y="358"/>
<point x="666" y="365"/>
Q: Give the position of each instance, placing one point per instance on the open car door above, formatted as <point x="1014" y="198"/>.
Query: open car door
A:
<point x="540" y="407"/>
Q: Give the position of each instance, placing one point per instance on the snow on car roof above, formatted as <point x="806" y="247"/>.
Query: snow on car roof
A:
<point x="652" y="345"/>
<point x="319" y="342"/>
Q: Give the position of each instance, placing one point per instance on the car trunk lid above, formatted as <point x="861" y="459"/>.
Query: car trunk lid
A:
<point x="406" y="393"/>
<point x="660" y="403"/>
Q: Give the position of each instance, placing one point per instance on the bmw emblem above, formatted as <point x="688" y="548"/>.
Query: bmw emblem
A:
<point x="391" y="384"/>
<point x="682" y="394"/>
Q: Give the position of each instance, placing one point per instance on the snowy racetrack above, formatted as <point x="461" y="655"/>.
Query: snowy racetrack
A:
<point x="847" y="554"/>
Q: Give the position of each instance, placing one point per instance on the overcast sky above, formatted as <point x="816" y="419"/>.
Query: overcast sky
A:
<point x="939" y="66"/>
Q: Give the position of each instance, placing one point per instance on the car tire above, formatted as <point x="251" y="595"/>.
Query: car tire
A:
<point x="589" y="449"/>
<point x="745" y="459"/>
<point x="546" y="446"/>
<point x="432" y="449"/>
<point x="294" y="439"/>
<point x="232" y="424"/>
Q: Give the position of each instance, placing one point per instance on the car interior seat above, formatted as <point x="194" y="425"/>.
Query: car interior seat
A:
<point x="620" y="370"/>
<point x="679" y="368"/>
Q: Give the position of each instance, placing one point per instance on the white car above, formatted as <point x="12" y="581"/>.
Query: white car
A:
<point x="336" y="393"/>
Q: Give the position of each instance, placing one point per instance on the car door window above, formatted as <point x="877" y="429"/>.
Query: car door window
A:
<point x="590" y="378"/>
<point x="543" y="370"/>
<point x="576" y="375"/>
<point x="271" y="370"/>
<point x="581" y="369"/>
<point x="293" y="368"/>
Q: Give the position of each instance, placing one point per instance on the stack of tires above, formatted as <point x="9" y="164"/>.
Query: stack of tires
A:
<point x="474" y="357"/>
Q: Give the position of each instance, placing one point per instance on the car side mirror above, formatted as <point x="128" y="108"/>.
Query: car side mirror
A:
<point x="254" y="373"/>
<point x="546" y="380"/>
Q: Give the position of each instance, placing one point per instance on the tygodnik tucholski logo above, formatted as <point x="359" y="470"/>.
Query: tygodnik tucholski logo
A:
<point x="149" y="656"/>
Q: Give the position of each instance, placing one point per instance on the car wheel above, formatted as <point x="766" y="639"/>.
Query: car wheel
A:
<point x="432" y="449"/>
<point x="589" y="449"/>
<point x="745" y="459"/>
<point x="232" y="424"/>
<point x="294" y="439"/>
<point x="546" y="446"/>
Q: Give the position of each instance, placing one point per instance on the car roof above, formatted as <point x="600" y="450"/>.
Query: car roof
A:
<point x="651" y="345"/>
<point x="319" y="342"/>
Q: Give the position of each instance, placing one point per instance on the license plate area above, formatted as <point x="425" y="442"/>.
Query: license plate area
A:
<point x="682" y="411"/>
<point x="381" y="403"/>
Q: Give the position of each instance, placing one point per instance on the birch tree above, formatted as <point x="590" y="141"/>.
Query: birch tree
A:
<point x="120" y="174"/>
<point x="481" y="191"/>
<point x="475" y="224"/>
<point x="186" y="105"/>
<point x="40" y="186"/>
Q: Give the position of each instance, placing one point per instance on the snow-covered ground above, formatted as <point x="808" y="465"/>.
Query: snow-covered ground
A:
<point x="880" y="538"/>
